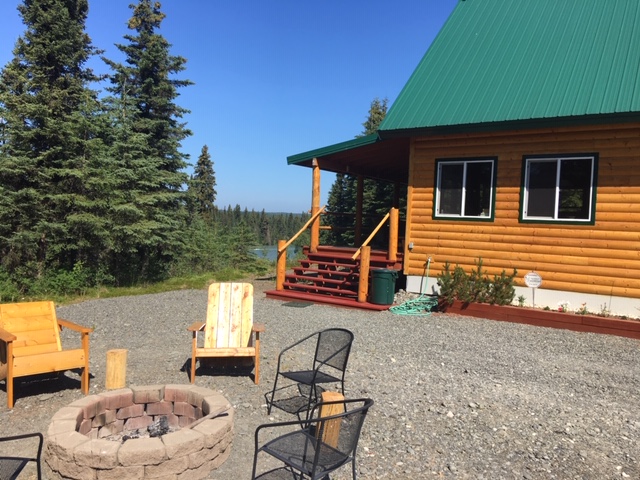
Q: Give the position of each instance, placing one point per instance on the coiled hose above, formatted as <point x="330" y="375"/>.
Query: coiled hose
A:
<point x="423" y="305"/>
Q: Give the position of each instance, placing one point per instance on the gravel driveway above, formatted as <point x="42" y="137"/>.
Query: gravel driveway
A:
<point x="455" y="397"/>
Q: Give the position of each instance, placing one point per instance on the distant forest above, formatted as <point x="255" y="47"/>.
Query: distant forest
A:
<point x="267" y="227"/>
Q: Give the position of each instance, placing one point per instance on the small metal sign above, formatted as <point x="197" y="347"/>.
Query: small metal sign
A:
<point x="533" y="280"/>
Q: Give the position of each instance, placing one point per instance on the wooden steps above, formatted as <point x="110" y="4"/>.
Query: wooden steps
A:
<point x="293" y="296"/>
<point x="331" y="276"/>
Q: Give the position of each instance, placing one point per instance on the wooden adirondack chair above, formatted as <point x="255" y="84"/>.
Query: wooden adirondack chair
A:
<point x="30" y="344"/>
<point x="229" y="330"/>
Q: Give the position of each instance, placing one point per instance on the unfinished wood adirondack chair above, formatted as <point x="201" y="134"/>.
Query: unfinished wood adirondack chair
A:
<point x="30" y="344"/>
<point x="229" y="330"/>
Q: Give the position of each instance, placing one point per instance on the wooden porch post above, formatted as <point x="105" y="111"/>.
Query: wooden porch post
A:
<point x="392" y="254"/>
<point x="315" y="206"/>
<point x="363" y="281"/>
<point x="357" y="234"/>
<point x="281" y="265"/>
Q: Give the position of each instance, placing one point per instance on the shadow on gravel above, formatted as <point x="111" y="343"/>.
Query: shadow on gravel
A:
<point x="45" y="384"/>
<point x="221" y="367"/>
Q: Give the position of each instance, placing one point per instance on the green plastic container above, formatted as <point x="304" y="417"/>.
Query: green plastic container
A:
<point x="383" y="286"/>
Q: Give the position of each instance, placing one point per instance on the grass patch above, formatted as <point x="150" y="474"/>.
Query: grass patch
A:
<point x="193" y="282"/>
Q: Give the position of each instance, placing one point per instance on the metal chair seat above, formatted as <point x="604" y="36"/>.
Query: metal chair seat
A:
<point x="11" y="466"/>
<point x="298" y="450"/>
<point x="310" y="377"/>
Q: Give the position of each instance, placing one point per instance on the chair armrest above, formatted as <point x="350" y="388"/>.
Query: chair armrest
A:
<point x="6" y="336"/>
<point x="29" y="435"/>
<point x="74" y="326"/>
<point x="258" y="327"/>
<point x="24" y="435"/>
<point x="303" y="424"/>
<point x="196" y="326"/>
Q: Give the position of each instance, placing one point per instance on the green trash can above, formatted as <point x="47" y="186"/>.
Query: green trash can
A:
<point x="383" y="286"/>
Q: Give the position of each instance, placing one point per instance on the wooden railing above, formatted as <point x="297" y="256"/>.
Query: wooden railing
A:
<point x="364" y="251"/>
<point x="281" y="265"/>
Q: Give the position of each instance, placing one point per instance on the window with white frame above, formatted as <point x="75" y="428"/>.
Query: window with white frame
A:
<point x="465" y="188"/>
<point x="559" y="188"/>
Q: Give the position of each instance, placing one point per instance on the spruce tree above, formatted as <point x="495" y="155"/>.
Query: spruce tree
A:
<point x="149" y="146"/>
<point x="51" y="157"/>
<point x="377" y="196"/>
<point x="202" y="186"/>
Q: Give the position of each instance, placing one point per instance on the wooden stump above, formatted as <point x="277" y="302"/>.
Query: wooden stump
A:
<point x="116" y="369"/>
<point x="331" y="431"/>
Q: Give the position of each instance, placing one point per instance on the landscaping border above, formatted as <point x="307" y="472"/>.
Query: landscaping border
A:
<point x="546" y="318"/>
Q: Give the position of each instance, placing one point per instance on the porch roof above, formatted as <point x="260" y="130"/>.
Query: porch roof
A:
<point x="369" y="156"/>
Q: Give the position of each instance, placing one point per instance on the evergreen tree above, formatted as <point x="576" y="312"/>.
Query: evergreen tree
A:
<point x="52" y="165"/>
<point x="202" y="186"/>
<point x="377" y="112"/>
<point x="149" y="143"/>
<point x="377" y="196"/>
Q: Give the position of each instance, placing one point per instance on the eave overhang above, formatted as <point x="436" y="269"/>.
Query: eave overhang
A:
<point x="369" y="156"/>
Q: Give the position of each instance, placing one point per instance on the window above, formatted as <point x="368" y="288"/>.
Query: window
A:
<point x="559" y="189"/>
<point x="465" y="188"/>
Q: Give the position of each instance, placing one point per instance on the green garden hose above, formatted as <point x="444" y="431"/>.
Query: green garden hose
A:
<point x="423" y="305"/>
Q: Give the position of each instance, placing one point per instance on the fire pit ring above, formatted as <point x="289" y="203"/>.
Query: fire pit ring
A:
<point x="76" y="446"/>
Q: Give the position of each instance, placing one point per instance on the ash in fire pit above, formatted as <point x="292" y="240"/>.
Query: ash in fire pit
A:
<point x="156" y="429"/>
<point x="169" y="429"/>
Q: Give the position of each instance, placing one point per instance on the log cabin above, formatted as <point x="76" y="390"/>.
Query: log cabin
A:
<point x="518" y="138"/>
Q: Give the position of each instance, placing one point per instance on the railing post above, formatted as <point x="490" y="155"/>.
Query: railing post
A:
<point x="392" y="254"/>
<point x="357" y="233"/>
<point x="281" y="265"/>
<point x="363" y="281"/>
<point x="315" y="206"/>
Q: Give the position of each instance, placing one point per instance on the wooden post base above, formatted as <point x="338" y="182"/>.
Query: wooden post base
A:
<point x="116" y="369"/>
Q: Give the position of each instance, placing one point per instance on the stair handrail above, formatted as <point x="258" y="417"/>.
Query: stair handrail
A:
<point x="370" y="237"/>
<point x="302" y="229"/>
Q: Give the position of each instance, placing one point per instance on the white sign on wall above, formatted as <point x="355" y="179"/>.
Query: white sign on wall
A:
<point x="533" y="280"/>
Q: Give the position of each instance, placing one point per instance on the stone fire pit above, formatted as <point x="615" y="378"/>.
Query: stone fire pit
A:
<point x="76" y="446"/>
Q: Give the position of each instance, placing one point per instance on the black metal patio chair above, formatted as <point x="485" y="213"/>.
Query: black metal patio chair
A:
<point x="11" y="466"/>
<point x="324" y="364"/>
<point x="314" y="447"/>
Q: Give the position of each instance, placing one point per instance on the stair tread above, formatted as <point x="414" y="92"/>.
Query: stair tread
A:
<point x="308" y="278"/>
<point x="316" y="288"/>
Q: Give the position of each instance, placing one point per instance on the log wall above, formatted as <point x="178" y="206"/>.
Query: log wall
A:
<point x="601" y="259"/>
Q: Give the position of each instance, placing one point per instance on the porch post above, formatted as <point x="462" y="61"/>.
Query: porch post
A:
<point x="392" y="254"/>
<point x="357" y="234"/>
<point x="315" y="206"/>
<point x="363" y="280"/>
<point x="281" y="265"/>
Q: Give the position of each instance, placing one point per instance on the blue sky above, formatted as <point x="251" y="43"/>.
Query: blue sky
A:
<point x="272" y="78"/>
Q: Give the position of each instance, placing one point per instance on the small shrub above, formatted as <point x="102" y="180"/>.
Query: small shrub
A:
<point x="475" y="287"/>
<point x="583" y="310"/>
<point x="521" y="300"/>
<point x="447" y="285"/>
<point x="502" y="290"/>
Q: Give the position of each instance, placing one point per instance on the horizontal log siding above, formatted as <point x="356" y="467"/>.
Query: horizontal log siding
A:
<point x="601" y="259"/>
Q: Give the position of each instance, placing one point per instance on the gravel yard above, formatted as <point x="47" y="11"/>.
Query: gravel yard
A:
<point x="455" y="397"/>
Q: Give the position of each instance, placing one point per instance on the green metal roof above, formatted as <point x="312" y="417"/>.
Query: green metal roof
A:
<point x="331" y="149"/>
<point x="524" y="60"/>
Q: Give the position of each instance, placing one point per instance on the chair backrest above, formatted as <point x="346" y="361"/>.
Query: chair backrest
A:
<point x="35" y="326"/>
<point x="333" y="348"/>
<point x="229" y="315"/>
<point x="342" y="429"/>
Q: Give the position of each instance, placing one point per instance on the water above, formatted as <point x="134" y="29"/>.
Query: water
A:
<point x="270" y="252"/>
